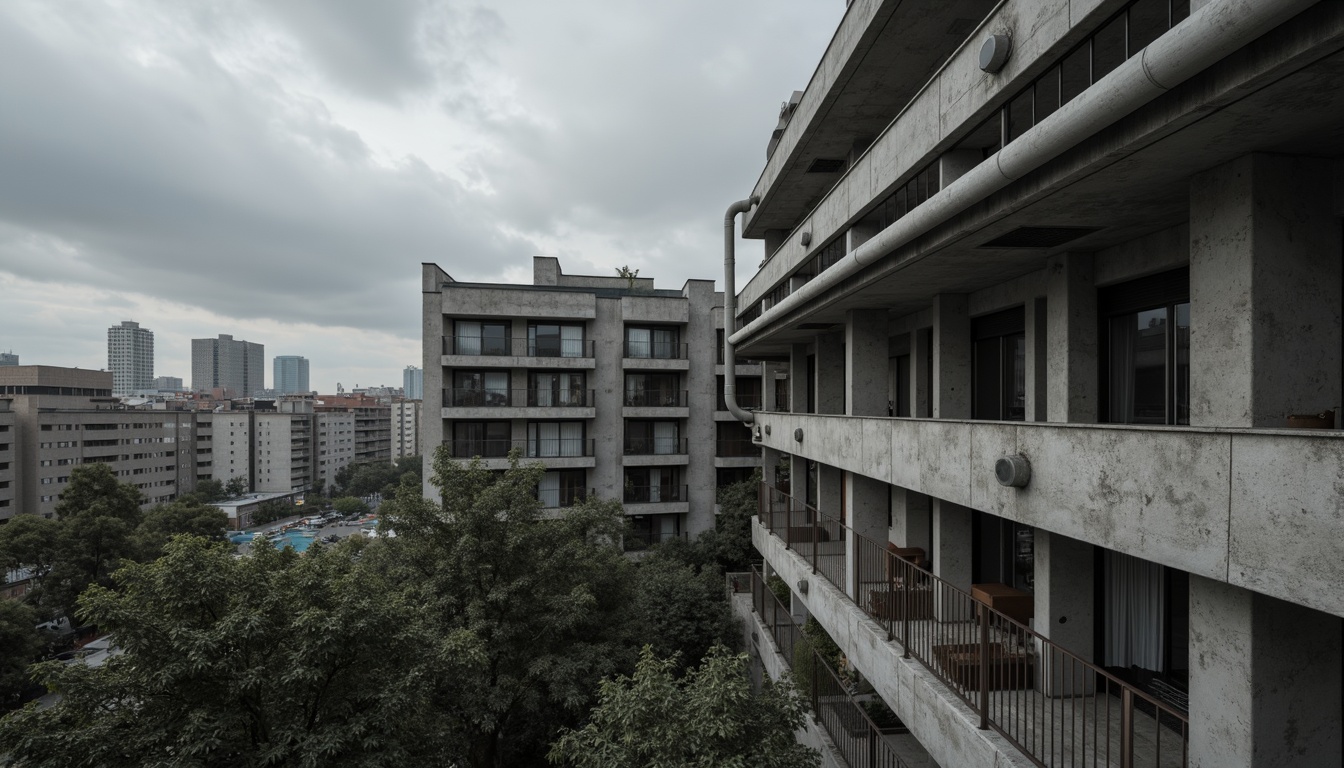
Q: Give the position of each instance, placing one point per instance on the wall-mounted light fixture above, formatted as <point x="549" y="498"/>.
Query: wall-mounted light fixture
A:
<point x="994" y="52"/>
<point x="798" y="435"/>
<point x="1013" y="471"/>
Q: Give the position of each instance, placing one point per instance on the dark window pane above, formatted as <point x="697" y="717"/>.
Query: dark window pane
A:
<point x="1180" y="10"/>
<point x="1108" y="48"/>
<point x="1138" y="368"/>
<point x="1021" y="115"/>
<point x="1015" y="378"/>
<point x="1047" y="94"/>
<point x="1076" y="73"/>
<point x="1147" y="20"/>
<point x="1181" y="383"/>
<point x="985" y="385"/>
<point x="903" y="385"/>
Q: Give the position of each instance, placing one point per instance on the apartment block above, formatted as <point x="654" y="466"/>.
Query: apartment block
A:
<point x="236" y="367"/>
<point x="335" y="445"/>
<point x="1058" y="289"/>
<point x="413" y="383"/>
<point x="130" y="357"/>
<point x="406" y="428"/>
<point x="291" y="375"/>
<point x="8" y="464"/>
<point x="608" y="381"/>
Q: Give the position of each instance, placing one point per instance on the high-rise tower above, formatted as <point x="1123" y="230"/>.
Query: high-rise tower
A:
<point x="130" y="357"/>
<point x="291" y="375"/>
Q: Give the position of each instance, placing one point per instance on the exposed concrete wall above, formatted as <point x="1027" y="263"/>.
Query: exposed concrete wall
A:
<point x="1064" y="606"/>
<point x="608" y="380"/>
<point x="911" y="514"/>
<point x="951" y="357"/>
<point x="471" y="301"/>
<point x="702" y="393"/>
<point x="1257" y="509"/>
<point x="798" y="381"/>
<point x="1265" y="305"/>
<point x="830" y="373"/>
<point x="1265" y="681"/>
<point x="866" y="362"/>
<point x="431" y="362"/>
<point x="952" y="547"/>
<point x="867" y="500"/>
<point x="1071" y="339"/>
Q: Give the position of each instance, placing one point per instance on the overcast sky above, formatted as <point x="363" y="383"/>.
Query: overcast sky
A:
<point x="279" y="170"/>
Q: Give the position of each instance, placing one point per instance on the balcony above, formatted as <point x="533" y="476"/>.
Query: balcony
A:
<point x="656" y="403"/>
<point x="562" y="498"/>
<point x="555" y="453"/>
<point x="507" y="352"/>
<point x="643" y="541"/>
<point x="655" y="451"/>
<point x="477" y="403"/>
<point x="655" y="355"/>
<point x="1047" y="704"/>
<point x="656" y="494"/>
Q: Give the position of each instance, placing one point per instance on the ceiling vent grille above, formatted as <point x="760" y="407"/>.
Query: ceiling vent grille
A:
<point x="826" y="165"/>
<point x="1039" y="237"/>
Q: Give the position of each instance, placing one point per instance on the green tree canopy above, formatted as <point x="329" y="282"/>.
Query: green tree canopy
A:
<point x="236" y="487"/>
<point x="274" y="659"/>
<point x="548" y="600"/>
<point x="679" y="611"/>
<point x="209" y="491"/>
<point x="709" y="719"/>
<point x="20" y="644"/>
<point x="188" y="516"/>
<point x="349" y="505"/>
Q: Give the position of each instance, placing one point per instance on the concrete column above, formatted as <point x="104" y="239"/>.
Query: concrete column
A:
<point x="1037" y="356"/>
<point x="866" y="362"/>
<point x="1264" y="681"/>
<point x="798" y="378"/>
<point x="1064" y="606"/>
<point x="952" y="543"/>
<point x="1071" y="339"/>
<point x="921" y="341"/>
<point x="830" y="491"/>
<point x="867" y="501"/>
<point x="910" y="519"/>
<point x="951" y="357"/>
<point x="830" y="372"/>
<point x="1265" y="298"/>
<point x="769" y="462"/>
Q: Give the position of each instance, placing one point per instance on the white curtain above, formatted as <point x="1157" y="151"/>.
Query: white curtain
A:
<point x="571" y="341"/>
<point x="637" y="342"/>
<point x="664" y="437"/>
<point x="571" y="438"/>
<point x="548" y="490"/>
<point x="468" y="337"/>
<point x="1135" y="613"/>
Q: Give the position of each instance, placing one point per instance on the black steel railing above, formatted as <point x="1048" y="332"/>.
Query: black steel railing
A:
<point x="654" y="494"/>
<point x="496" y="346"/>
<point x="1056" y="707"/>
<point x="560" y="498"/>
<point x="476" y="397"/>
<point x="536" y="448"/>
<point x="638" y="542"/>
<point x="656" y="398"/>
<point x="656" y="446"/>
<point x="655" y="350"/>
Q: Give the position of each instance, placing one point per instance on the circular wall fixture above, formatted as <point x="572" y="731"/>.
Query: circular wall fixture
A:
<point x="994" y="52"/>
<point x="805" y="239"/>
<point x="1013" y="471"/>
<point x="767" y="429"/>
<point x="798" y="435"/>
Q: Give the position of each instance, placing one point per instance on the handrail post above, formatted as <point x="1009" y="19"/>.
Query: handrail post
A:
<point x="1126" y="727"/>
<point x="908" y="600"/>
<point x="816" y="536"/>
<point x="984" y="666"/>
<point x="890" y="568"/>
<point x="816" y="699"/>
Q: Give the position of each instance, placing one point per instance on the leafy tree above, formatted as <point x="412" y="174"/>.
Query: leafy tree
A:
<point x="349" y="505"/>
<point x="710" y="718"/>
<point x="20" y="644"/>
<point x="236" y="487"/>
<point x="726" y="547"/>
<point x="210" y="491"/>
<point x="680" y="612"/>
<point x="94" y="491"/>
<point x="32" y="542"/>
<point x="547" y="599"/>
<point x="272" y="659"/>
<point x="187" y="516"/>
<point x="270" y="511"/>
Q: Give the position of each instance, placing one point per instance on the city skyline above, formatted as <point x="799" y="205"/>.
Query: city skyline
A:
<point x="324" y="185"/>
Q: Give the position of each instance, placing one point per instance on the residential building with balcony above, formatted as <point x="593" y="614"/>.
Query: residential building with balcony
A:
<point x="608" y="381"/>
<point x="1058" y="288"/>
<point x="406" y="427"/>
<point x="130" y="357"/>
<point x="9" y="486"/>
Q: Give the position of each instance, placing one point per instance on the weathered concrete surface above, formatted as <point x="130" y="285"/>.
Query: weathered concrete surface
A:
<point x="866" y="362"/>
<point x="468" y="301"/>
<point x="1261" y="509"/>
<point x="942" y="723"/>
<point x="951" y="357"/>
<point x="648" y="309"/>
<point x="1071" y="339"/>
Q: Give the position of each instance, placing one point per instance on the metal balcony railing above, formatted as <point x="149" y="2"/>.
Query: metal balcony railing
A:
<point x="740" y="449"/>
<point x="654" y="494"/>
<point x="656" y="350"/>
<point x="851" y="728"/>
<point x="750" y="401"/>
<point x="538" y="448"/>
<point x="638" y="542"/>
<point x="1054" y="706"/>
<point x="495" y="346"/>
<point x="475" y="397"/>
<point x="656" y="446"/>
<point x="656" y="398"/>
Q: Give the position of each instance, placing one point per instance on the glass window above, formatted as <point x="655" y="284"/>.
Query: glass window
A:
<point x="551" y="389"/>
<point x="651" y="485"/>
<point x="653" y="390"/>
<point x="999" y="366"/>
<point x="554" y="340"/>
<point x="474" y="337"/>
<point x="553" y="439"/>
<point x="477" y="389"/>
<point x="661" y="343"/>
<point x="656" y="438"/>
<point x="1108" y="48"/>
<point x="487" y="439"/>
<point x="1147" y="334"/>
<point x="562" y="488"/>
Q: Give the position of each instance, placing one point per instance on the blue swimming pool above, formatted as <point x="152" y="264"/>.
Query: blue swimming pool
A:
<point x="293" y="539"/>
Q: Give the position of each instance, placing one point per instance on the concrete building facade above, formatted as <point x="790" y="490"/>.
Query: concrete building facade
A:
<point x="9" y="485"/>
<point x="291" y="375"/>
<point x="1058" y="285"/>
<point x="406" y="428"/>
<point x="8" y="358"/>
<point x="608" y="381"/>
<point x="335" y="445"/>
<point x="130" y="357"/>
<point x="236" y="367"/>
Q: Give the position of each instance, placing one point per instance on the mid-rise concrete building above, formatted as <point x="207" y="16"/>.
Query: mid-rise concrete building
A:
<point x="8" y="358"/>
<point x="373" y="424"/>
<point x="130" y="357"/>
<point x="8" y="481"/>
<point x="406" y="428"/>
<point x="335" y="445"/>
<point x="1058" y="284"/>
<point x="167" y="384"/>
<point x="291" y="375"/>
<point x="608" y="381"/>
<point x="64" y="417"/>
<point x="238" y="368"/>
<point x="413" y="383"/>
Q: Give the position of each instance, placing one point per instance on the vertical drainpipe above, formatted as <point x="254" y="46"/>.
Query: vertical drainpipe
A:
<point x="730" y="309"/>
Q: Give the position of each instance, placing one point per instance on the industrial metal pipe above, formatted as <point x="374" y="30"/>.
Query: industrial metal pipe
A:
<point x="730" y="308"/>
<point x="1197" y="43"/>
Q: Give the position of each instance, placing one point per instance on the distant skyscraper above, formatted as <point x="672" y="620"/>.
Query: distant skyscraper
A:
<point x="167" y="383"/>
<point x="130" y="357"/>
<point x="413" y="383"/>
<point x="239" y="366"/>
<point x="291" y="375"/>
<point x="8" y="358"/>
